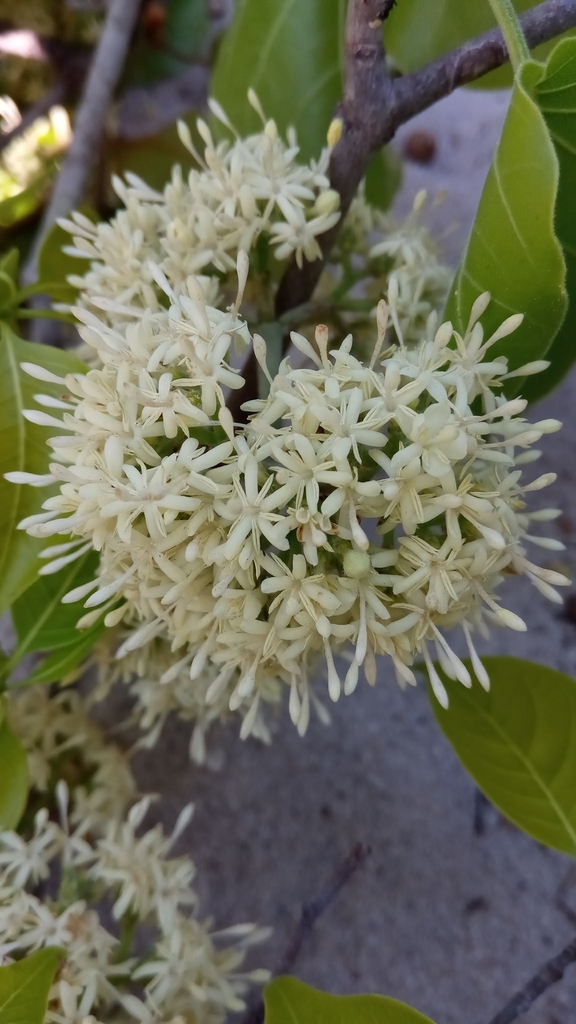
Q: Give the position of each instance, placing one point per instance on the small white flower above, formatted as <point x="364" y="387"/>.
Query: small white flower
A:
<point x="23" y="862"/>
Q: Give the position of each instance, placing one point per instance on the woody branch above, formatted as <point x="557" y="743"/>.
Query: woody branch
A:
<point x="375" y="105"/>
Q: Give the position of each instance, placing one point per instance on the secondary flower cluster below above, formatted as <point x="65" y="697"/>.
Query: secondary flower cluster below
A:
<point x="150" y="959"/>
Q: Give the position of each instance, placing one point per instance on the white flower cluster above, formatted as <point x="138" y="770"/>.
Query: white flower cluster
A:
<point x="254" y="191"/>
<point x="374" y="255"/>
<point x="160" y="964"/>
<point x="55" y="730"/>
<point x="247" y="548"/>
<point x="368" y="502"/>
<point x="246" y="190"/>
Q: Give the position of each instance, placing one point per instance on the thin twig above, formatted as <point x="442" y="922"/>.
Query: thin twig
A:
<point x="375" y="106"/>
<point x="474" y="59"/>
<point x="551" y="972"/>
<point x="311" y="911"/>
<point x="104" y="73"/>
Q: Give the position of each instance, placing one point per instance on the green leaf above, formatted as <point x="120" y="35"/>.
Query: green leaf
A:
<point x="41" y="621"/>
<point x="8" y="287"/>
<point x="419" y="31"/>
<point x="556" y="96"/>
<point x="518" y="741"/>
<point x="290" y="53"/>
<point x="23" y="448"/>
<point x="289" y="1001"/>
<point x="513" y="252"/>
<point x="25" y="987"/>
<point x="8" y="294"/>
<point x="10" y="262"/>
<point x="383" y="178"/>
<point x="13" y="777"/>
<point x="64" y="660"/>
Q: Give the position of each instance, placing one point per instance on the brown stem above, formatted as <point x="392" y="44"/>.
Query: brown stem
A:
<point x="364" y="112"/>
<point x="367" y="91"/>
<point x="551" y="972"/>
<point x="474" y="59"/>
<point x="375" y="106"/>
<point x="311" y="911"/>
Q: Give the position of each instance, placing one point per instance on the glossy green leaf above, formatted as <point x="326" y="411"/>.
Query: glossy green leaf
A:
<point x="64" y="660"/>
<point x="290" y="53"/>
<point x="383" y="178"/>
<point x="289" y="1001"/>
<point x="41" y="621"/>
<point x="518" y="741"/>
<point x="25" y="987"/>
<point x="23" y="448"/>
<point x="513" y="252"/>
<point x="419" y="31"/>
<point x="13" y="776"/>
<point x="556" y="96"/>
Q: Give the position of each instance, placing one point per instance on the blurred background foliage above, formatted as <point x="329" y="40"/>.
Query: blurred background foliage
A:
<point x="45" y="52"/>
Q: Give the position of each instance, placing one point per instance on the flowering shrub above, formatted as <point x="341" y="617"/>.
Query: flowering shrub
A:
<point x="366" y="504"/>
<point x="293" y="445"/>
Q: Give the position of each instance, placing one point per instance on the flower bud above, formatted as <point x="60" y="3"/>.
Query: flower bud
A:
<point x="356" y="564"/>
<point x="327" y="202"/>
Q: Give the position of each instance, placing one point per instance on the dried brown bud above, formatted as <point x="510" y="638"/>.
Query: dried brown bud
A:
<point x="420" y="147"/>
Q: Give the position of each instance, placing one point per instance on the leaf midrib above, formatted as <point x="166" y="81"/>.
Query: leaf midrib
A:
<point x="532" y="771"/>
<point x="18" y="991"/>
<point x="66" y="585"/>
<point x="508" y="209"/>
<point x="266" y="49"/>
